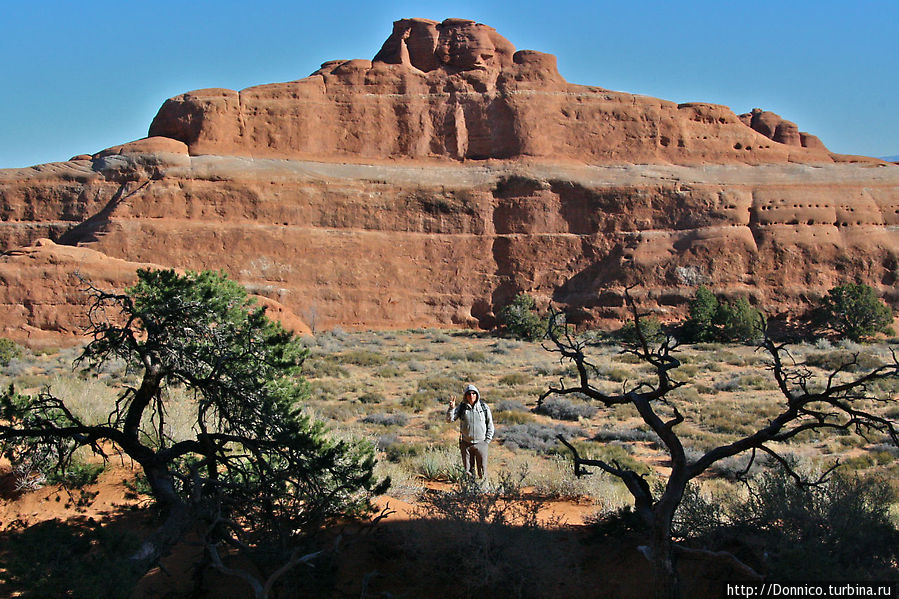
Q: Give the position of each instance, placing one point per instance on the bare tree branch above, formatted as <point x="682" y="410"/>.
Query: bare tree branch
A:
<point x="838" y="406"/>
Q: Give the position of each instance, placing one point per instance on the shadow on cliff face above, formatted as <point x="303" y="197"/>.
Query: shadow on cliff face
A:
<point x="92" y="228"/>
<point x="588" y="287"/>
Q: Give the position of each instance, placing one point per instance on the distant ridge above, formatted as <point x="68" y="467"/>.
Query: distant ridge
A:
<point x="893" y="158"/>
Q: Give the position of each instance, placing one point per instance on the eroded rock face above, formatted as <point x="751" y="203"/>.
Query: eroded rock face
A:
<point x="454" y="45"/>
<point x="425" y="245"/>
<point x="778" y="129"/>
<point x="429" y="186"/>
<point x="46" y="288"/>
<point x="458" y="90"/>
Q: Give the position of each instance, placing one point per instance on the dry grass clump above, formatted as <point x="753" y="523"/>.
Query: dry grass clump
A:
<point x="387" y="419"/>
<point x="324" y="367"/>
<point x="536" y="436"/>
<point x="844" y="359"/>
<point x="559" y="408"/>
<point x="515" y="378"/>
<point x="362" y="357"/>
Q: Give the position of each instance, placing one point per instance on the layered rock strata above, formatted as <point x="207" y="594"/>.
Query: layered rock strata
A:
<point x="457" y="90"/>
<point x="428" y="186"/>
<point x="47" y="287"/>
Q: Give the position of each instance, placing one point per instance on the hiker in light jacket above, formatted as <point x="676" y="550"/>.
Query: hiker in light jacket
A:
<point x="475" y="429"/>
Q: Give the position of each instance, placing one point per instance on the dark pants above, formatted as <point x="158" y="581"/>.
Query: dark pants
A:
<point x="474" y="455"/>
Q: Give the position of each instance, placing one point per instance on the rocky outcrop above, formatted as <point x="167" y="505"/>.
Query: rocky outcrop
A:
<point x="46" y="288"/>
<point x="778" y="129"/>
<point x="457" y="90"/>
<point x="430" y="185"/>
<point x="454" y="45"/>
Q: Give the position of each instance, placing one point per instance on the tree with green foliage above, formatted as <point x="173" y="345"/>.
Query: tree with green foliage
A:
<point x="855" y="312"/>
<point x="714" y="320"/>
<point x="700" y="325"/>
<point x="9" y="349"/>
<point x="651" y="329"/>
<point x="256" y="473"/>
<point x="739" y="321"/>
<point x="521" y="320"/>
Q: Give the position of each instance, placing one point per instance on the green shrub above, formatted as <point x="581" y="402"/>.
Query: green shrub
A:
<point x="855" y="312"/>
<point x="520" y="319"/>
<point x="9" y="350"/>
<point x="650" y="326"/>
<point x="441" y="386"/>
<point x="515" y="378"/>
<point x="842" y="359"/>
<point x="714" y="320"/>
<point x="739" y="321"/>
<point x="627" y="358"/>
<point x="398" y="451"/>
<point x="619" y="375"/>
<point x="371" y="397"/>
<point x="438" y="464"/>
<point x="323" y="367"/>
<point x="77" y="475"/>
<point x="511" y="417"/>
<point x="389" y="371"/>
<point x="417" y="402"/>
<point x="700" y="326"/>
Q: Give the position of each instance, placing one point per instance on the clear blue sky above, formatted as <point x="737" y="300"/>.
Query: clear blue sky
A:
<point x="78" y="77"/>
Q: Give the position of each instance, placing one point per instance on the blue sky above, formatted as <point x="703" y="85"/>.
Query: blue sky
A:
<point x="78" y="77"/>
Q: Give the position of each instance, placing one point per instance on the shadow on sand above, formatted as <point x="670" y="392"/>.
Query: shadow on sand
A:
<point x="421" y="558"/>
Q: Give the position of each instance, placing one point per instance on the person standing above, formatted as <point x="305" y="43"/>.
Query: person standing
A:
<point x="475" y="429"/>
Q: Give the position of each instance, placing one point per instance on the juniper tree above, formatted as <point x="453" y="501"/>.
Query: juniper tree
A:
<point x="855" y="311"/>
<point x="255" y="473"/>
<point x="520" y="319"/>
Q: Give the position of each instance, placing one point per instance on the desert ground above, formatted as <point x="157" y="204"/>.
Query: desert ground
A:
<point x="531" y="529"/>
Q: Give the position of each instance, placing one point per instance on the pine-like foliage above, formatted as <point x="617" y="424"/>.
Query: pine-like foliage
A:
<point x="854" y="311"/>
<point x="521" y="320"/>
<point x="714" y="320"/>
<point x="255" y="471"/>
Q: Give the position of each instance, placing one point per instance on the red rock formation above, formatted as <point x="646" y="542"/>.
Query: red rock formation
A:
<point x="778" y="129"/>
<point x="457" y="90"/>
<point x="454" y="45"/>
<point x="428" y="186"/>
<point x="46" y="288"/>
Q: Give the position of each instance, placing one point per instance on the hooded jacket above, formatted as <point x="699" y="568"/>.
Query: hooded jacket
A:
<point x="475" y="422"/>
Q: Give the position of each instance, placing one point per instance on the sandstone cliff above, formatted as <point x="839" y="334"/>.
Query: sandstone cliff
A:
<point x="457" y="90"/>
<point x="431" y="184"/>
